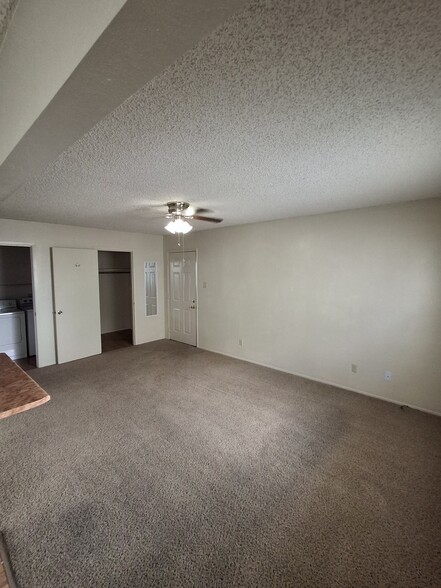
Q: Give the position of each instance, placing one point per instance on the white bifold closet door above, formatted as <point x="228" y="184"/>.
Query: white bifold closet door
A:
<point x="77" y="303"/>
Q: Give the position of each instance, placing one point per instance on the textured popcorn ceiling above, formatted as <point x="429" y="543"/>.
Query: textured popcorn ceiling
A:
<point x="7" y="8"/>
<point x="289" y="108"/>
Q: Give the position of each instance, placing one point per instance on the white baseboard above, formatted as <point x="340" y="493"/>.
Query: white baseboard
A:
<point x="358" y="391"/>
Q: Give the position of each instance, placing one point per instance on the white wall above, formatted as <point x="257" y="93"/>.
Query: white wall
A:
<point x="45" y="41"/>
<point x="115" y="302"/>
<point x="313" y="295"/>
<point x="43" y="236"/>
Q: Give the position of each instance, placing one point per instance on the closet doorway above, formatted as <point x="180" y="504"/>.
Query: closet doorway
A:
<point x="17" y="324"/>
<point x="115" y="284"/>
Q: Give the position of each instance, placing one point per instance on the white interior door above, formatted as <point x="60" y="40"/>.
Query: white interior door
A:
<point x="77" y="303"/>
<point x="182" y="294"/>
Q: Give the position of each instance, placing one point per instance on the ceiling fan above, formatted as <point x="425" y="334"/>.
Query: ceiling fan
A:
<point x="180" y="212"/>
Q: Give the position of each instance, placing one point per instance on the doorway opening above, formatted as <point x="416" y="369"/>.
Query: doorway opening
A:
<point x="17" y="316"/>
<point x="115" y="284"/>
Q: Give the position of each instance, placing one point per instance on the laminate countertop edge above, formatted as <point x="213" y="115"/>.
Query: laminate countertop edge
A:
<point x="18" y="391"/>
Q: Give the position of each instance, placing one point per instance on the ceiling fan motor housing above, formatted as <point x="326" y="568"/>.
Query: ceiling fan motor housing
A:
<point x="177" y="207"/>
<point x="177" y="210"/>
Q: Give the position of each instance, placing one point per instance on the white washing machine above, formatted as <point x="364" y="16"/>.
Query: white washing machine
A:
<point x="12" y="330"/>
<point x="27" y="305"/>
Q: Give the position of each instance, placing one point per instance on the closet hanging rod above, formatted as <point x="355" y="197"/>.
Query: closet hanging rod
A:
<point x="114" y="271"/>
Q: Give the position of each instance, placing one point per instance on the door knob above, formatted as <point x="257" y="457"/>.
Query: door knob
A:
<point x="192" y="306"/>
<point x="60" y="312"/>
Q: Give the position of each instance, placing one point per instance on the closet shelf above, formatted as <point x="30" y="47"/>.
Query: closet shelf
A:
<point x="20" y="284"/>
<point x="114" y="271"/>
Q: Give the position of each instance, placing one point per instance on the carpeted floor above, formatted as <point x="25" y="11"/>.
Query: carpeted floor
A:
<point x="165" y="465"/>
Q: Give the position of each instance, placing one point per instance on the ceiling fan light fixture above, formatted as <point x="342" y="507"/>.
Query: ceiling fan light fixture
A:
<point x="178" y="225"/>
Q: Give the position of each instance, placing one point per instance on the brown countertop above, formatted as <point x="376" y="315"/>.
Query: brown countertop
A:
<point x="18" y="391"/>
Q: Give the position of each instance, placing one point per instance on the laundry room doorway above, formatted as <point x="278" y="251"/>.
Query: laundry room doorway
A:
<point x="116" y="300"/>
<point x="17" y="315"/>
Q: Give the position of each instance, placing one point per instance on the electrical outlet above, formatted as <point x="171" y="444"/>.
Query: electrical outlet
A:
<point x="388" y="376"/>
<point x="204" y="284"/>
<point x="240" y="342"/>
<point x="354" y="368"/>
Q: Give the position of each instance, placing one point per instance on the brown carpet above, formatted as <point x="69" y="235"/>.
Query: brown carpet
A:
<point x="165" y="465"/>
<point x="116" y="340"/>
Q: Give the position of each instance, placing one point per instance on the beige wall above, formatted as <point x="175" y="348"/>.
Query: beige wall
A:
<point x="43" y="236"/>
<point x="313" y="295"/>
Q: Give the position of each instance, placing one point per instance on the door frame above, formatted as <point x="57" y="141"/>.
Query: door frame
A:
<point x="196" y="280"/>
<point x="29" y="246"/>
<point x="132" y="287"/>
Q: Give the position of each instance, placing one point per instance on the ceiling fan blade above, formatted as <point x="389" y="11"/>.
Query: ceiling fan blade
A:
<point x="192" y="210"/>
<point x="207" y="218"/>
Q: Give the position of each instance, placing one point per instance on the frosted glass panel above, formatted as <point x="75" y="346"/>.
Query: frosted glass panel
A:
<point x="151" y="294"/>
